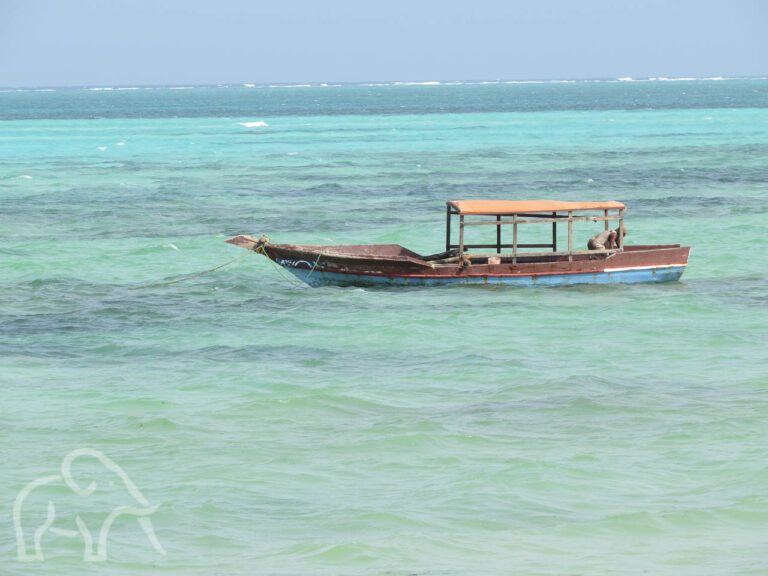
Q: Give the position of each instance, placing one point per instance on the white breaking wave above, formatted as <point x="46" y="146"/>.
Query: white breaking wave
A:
<point x="258" y="124"/>
<point x="250" y="85"/>
<point x="540" y="82"/>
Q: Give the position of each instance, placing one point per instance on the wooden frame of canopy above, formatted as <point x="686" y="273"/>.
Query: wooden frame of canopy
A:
<point x="532" y="211"/>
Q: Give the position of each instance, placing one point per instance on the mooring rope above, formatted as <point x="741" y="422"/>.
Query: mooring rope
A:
<point x="204" y="272"/>
<point x="260" y="249"/>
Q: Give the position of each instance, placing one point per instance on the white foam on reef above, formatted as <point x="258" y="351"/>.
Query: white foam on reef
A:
<point x="258" y="124"/>
<point x="120" y="144"/>
<point x="26" y="176"/>
<point x="405" y="83"/>
<point x="540" y="82"/>
<point x="102" y="148"/>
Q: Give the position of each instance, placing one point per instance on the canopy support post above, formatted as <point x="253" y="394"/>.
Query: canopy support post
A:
<point x="498" y="234"/>
<point x="554" y="233"/>
<point x="570" y="236"/>
<point x="461" y="235"/>
<point x="448" y="229"/>
<point x="621" y="229"/>
<point x="514" y="239"/>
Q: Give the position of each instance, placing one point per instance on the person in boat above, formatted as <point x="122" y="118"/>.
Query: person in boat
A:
<point x="606" y="240"/>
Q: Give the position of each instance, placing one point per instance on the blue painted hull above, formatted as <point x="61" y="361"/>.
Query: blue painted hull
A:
<point x="318" y="277"/>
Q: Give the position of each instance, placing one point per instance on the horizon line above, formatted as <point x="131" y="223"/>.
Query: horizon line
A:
<point x="373" y="83"/>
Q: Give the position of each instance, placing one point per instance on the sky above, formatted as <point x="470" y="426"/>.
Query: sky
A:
<point x="162" y="42"/>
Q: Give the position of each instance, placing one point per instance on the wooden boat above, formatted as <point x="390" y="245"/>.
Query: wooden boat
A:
<point x="514" y="263"/>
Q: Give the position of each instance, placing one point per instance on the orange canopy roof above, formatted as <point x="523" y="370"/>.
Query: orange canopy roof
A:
<point x="524" y="206"/>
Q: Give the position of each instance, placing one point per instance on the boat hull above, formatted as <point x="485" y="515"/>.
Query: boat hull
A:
<point x="318" y="278"/>
<point x="392" y="265"/>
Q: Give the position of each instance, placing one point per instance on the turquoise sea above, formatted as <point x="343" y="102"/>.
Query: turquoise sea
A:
<point x="272" y="428"/>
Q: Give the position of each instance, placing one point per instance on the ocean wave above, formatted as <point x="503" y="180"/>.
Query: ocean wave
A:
<point x="257" y="124"/>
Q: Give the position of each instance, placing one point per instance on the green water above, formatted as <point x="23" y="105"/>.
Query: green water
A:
<point x="448" y="431"/>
